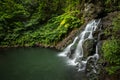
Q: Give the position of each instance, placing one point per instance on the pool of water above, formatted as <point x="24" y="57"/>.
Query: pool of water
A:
<point x="35" y="64"/>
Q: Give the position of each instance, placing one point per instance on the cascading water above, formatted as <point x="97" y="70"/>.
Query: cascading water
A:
<point x="77" y="56"/>
<point x="68" y="48"/>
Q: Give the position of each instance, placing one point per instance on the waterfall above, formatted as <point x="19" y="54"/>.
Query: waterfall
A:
<point x="78" y="54"/>
<point x="67" y="50"/>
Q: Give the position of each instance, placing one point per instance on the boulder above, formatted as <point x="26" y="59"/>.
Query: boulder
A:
<point x="89" y="47"/>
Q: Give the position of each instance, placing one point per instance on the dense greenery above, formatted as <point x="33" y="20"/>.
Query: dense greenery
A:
<point x="58" y="27"/>
<point x="111" y="47"/>
<point x="31" y="22"/>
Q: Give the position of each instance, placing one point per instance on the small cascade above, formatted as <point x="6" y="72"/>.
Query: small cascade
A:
<point x="78" y="54"/>
<point x="67" y="50"/>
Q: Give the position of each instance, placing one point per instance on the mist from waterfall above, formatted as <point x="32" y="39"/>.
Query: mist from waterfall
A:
<point x="77" y="44"/>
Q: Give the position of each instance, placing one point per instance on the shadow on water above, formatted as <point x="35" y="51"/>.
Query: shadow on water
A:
<point x="35" y="64"/>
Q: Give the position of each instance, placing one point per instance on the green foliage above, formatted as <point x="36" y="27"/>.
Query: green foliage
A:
<point x="111" y="52"/>
<point x="111" y="47"/>
<point x="27" y="27"/>
<point x="72" y="5"/>
<point x="18" y="17"/>
<point x="30" y="22"/>
<point x="112" y="69"/>
<point x="113" y="3"/>
<point x="54" y="31"/>
<point x="57" y="28"/>
<point x="116" y="28"/>
<point x="12" y="17"/>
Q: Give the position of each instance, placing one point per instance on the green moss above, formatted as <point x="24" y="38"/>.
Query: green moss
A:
<point x="111" y="50"/>
<point x="116" y="28"/>
<point x="111" y="47"/>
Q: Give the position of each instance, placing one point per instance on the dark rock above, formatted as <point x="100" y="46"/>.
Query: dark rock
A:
<point x="89" y="47"/>
<point x="107" y="20"/>
<point x="70" y="55"/>
<point x="92" y="11"/>
<point x="62" y="44"/>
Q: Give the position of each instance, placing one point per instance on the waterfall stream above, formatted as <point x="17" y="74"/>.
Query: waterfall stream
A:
<point x="78" y="54"/>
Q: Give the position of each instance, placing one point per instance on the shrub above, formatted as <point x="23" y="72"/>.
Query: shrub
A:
<point x="111" y="47"/>
<point x="111" y="50"/>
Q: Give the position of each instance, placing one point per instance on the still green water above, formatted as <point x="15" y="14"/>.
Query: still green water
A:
<point x="35" y="64"/>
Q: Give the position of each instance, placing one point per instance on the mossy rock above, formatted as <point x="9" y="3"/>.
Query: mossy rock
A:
<point x="89" y="47"/>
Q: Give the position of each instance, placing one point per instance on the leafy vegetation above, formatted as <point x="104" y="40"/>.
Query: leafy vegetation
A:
<point x="111" y="51"/>
<point x="111" y="5"/>
<point x="38" y="22"/>
<point x="111" y="47"/>
<point x="52" y="32"/>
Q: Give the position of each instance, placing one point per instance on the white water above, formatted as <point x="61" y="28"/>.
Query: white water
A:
<point x="78" y="54"/>
<point x="68" y="48"/>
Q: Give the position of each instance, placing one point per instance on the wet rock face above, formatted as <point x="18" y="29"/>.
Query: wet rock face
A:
<point x="89" y="47"/>
<point x="107" y="20"/>
<point x="70" y="55"/>
<point x="92" y="11"/>
<point x="62" y="44"/>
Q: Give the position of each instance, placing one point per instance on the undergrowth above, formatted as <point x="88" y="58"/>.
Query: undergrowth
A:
<point x="48" y="34"/>
<point x="111" y="47"/>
